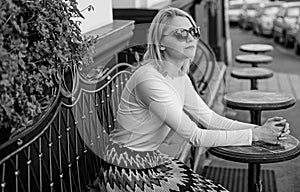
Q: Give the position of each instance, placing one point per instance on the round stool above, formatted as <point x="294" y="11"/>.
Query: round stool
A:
<point x="253" y="59"/>
<point x="256" y="48"/>
<point x="253" y="74"/>
<point x="257" y="101"/>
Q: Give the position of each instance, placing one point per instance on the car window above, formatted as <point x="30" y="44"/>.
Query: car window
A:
<point x="271" y="10"/>
<point x="260" y="11"/>
<point x="252" y="6"/>
<point x="293" y="12"/>
<point x="280" y="12"/>
<point x="298" y="21"/>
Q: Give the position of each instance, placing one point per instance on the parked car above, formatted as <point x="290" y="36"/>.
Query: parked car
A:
<point x="263" y="20"/>
<point x="291" y="34"/>
<point x="246" y="17"/>
<point x="235" y="8"/>
<point x="285" y="23"/>
<point x="297" y="38"/>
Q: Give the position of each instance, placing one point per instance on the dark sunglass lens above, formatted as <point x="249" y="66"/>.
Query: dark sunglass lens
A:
<point x="181" y="35"/>
<point x="195" y="32"/>
<point x="185" y="33"/>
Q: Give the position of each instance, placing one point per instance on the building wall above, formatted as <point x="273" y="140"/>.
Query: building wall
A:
<point x="100" y="16"/>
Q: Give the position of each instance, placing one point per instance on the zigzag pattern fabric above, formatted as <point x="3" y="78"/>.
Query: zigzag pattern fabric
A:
<point x="148" y="171"/>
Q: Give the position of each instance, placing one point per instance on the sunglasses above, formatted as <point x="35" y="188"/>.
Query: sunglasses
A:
<point x="183" y="34"/>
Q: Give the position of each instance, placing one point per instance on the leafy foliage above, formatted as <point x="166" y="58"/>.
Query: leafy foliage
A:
<point x="38" y="38"/>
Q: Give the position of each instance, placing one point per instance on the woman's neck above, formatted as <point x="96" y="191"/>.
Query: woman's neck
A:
<point x="174" y="67"/>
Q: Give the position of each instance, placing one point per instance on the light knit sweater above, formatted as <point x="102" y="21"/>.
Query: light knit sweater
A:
<point x="153" y="106"/>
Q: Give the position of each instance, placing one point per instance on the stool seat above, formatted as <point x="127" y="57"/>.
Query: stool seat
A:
<point x="256" y="48"/>
<point x="253" y="59"/>
<point x="252" y="73"/>
<point x="258" y="100"/>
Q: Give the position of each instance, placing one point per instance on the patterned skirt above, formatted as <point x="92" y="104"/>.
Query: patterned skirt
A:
<point x="127" y="170"/>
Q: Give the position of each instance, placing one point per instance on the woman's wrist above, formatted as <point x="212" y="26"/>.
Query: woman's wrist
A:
<point x="255" y="133"/>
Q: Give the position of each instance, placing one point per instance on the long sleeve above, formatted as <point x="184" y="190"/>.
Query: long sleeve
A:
<point x="197" y="108"/>
<point x="163" y="101"/>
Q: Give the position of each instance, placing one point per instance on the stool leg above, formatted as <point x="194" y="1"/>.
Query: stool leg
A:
<point x="254" y="179"/>
<point x="255" y="117"/>
<point x="253" y="84"/>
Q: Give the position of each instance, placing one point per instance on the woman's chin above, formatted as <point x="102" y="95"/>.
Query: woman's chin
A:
<point x="189" y="55"/>
<point x="190" y="52"/>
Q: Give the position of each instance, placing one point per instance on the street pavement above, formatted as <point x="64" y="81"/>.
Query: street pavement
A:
<point x="286" y="79"/>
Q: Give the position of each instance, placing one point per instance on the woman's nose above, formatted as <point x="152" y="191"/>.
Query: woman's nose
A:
<point x="189" y="38"/>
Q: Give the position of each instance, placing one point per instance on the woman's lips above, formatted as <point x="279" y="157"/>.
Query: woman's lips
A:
<point x="190" y="47"/>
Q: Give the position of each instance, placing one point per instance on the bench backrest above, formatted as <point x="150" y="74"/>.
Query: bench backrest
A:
<point x="63" y="150"/>
<point x="202" y="67"/>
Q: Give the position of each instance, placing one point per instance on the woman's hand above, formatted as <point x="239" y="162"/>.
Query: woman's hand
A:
<point x="272" y="131"/>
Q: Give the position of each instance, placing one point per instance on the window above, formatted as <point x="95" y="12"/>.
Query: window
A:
<point x="281" y="12"/>
<point x="293" y="12"/>
<point x="236" y="6"/>
<point x="271" y="10"/>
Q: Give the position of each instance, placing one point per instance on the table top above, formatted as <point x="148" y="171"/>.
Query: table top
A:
<point x="252" y="73"/>
<point x="254" y="59"/>
<point x="260" y="152"/>
<point x="258" y="100"/>
<point x="256" y="48"/>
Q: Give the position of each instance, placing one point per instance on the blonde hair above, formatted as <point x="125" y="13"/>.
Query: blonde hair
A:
<point x="156" y="30"/>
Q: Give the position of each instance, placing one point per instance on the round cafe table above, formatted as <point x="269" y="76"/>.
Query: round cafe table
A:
<point x="256" y="48"/>
<point x="257" y="101"/>
<point x="259" y="153"/>
<point x="253" y="74"/>
<point x="253" y="59"/>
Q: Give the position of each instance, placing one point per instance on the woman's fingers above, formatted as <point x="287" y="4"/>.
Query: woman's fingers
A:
<point x="281" y="122"/>
<point x="286" y="128"/>
<point x="275" y="118"/>
<point x="275" y="130"/>
<point x="284" y="133"/>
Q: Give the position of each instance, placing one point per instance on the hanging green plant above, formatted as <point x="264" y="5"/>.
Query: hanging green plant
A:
<point x="38" y="39"/>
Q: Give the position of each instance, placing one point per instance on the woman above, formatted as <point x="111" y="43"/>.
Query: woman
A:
<point x="158" y="100"/>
